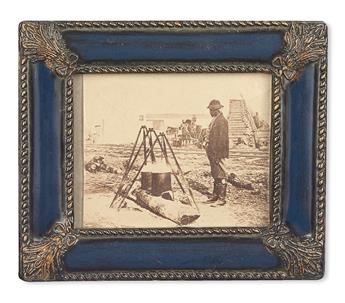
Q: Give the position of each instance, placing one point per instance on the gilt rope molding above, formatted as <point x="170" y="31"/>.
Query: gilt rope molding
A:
<point x="176" y="275"/>
<point x="42" y="258"/>
<point x="176" y="68"/>
<point x="96" y="25"/>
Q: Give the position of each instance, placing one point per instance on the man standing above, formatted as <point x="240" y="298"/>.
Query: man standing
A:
<point x="217" y="149"/>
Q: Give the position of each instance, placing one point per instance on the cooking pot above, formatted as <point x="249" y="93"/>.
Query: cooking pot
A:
<point x="161" y="182"/>
<point x="146" y="180"/>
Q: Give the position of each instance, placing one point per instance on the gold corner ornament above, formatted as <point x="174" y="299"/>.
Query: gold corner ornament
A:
<point x="42" y="260"/>
<point x="43" y="42"/>
<point x="300" y="256"/>
<point x="304" y="43"/>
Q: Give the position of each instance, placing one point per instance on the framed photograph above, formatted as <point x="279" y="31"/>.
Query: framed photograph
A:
<point x="175" y="150"/>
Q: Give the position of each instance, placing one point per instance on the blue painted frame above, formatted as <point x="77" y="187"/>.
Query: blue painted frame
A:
<point x="180" y="47"/>
<point x="137" y="47"/>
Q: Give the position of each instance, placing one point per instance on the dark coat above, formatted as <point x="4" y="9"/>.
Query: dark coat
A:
<point x="218" y="143"/>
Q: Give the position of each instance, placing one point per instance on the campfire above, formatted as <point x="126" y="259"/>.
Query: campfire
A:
<point x="156" y="169"/>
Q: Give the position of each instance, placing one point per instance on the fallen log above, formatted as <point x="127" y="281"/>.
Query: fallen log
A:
<point x="235" y="181"/>
<point x="172" y="210"/>
<point x="198" y="186"/>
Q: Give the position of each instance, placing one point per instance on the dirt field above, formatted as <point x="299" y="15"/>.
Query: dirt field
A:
<point x="244" y="208"/>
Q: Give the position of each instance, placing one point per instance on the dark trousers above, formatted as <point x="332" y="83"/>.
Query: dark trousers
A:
<point x="218" y="170"/>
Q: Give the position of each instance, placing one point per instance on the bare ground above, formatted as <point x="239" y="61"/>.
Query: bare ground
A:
<point x="244" y="208"/>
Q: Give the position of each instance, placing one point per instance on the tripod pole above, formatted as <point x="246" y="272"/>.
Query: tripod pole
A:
<point x="165" y="153"/>
<point x="144" y="140"/>
<point x="153" y="158"/>
<point x="129" y="167"/>
<point x="180" y="170"/>
<point x="136" y="176"/>
<point x="142" y="129"/>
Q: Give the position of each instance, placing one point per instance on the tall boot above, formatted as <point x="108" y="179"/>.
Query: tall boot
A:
<point x="214" y="197"/>
<point x="221" y="192"/>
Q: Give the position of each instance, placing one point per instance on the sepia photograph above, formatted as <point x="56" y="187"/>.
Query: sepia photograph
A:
<point x="172" y="150"/>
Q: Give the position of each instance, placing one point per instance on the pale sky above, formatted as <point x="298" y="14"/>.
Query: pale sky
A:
<point x="117" y="100"/>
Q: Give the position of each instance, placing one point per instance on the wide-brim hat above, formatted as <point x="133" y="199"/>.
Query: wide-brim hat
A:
<point x="215" y="104"/>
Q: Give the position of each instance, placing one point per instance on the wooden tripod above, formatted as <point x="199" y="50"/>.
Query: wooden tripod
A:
<point x="150" y="137"/>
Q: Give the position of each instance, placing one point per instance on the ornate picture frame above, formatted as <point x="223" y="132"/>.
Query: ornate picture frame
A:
<point x="291" y="247"/>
